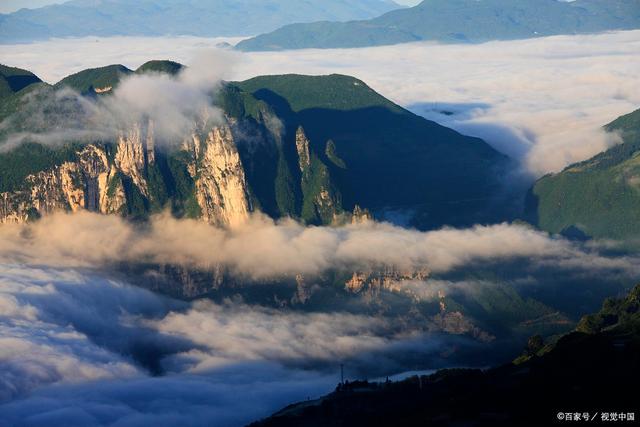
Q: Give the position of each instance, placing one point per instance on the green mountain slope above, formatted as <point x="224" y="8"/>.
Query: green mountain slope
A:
<point x="457" y="21"/>
<point x="600" y="197"/>
<point x="585" y="371"/>
<point x="206" y="18"/>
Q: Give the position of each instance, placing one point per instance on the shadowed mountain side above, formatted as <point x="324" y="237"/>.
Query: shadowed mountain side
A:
<point x="13" y="80"/>
<point x="382" y="157"/>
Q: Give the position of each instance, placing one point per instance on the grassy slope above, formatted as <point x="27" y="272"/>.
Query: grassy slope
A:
<point x="600" y="196"/>
<point x="160" y="66"/>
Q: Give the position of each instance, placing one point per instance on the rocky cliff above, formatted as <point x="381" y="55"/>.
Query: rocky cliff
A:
<point x="124" y="178"/>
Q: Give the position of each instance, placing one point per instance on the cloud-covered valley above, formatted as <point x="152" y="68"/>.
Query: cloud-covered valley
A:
<point x="80" y="349"/>
<point x="547" y="107"/>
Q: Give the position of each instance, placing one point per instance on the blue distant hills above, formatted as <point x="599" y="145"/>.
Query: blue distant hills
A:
<point x="458" y="21"/>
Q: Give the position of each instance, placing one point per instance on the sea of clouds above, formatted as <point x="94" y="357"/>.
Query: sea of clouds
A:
<point x="542" y="101"/>
<point x="79" y="347"/>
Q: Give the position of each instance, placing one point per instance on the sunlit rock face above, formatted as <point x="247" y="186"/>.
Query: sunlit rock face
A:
<point x="221" y="187"/>
<point x="115" y="179"/>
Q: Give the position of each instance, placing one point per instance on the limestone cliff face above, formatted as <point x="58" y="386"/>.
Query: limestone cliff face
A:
<point x="116" y="178"/>
<point x="302" y="147"/>
<point x="131" y="157"/>
<point x="221" y="187"/>
<point x="71" y="186"/>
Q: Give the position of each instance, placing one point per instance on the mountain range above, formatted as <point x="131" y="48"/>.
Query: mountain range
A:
<point x="80" y="18"/>
<point x="311" y="148"/>
<point x="457" y="21"/>
<point x="314" y="148"/>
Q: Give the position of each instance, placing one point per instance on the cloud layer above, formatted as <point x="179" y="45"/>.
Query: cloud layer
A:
<point x="542" y="100"/>
<point x="264" y="249"/>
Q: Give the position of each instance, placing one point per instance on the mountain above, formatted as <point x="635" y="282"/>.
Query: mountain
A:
<point x="457" y="21"/>
<point x="599" y="197"/>
<point x="313" y="148"/>
<point x="207" y="18"/>
<point x="590" y="371"/>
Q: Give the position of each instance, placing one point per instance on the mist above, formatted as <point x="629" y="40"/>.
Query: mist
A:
<point x="82" y="343"/>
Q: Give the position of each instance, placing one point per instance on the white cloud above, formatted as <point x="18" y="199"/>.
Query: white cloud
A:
<point x="543" y="100"/>
<point x="54" y="59"/>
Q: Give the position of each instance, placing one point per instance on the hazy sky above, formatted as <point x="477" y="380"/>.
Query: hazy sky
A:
<point x="7" y="6"/>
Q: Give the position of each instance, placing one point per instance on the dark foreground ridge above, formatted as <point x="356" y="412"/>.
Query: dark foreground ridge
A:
<point x="593" y="370"/>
